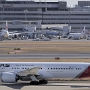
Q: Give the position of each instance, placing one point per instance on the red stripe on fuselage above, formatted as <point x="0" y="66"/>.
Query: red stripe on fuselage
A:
<point x="86" y="73"/>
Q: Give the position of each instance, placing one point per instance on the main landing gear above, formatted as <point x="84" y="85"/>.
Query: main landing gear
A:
<point x="38" y="82"/>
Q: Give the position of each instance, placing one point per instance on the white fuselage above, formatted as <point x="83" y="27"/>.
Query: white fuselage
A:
<point x="75" y="35"/>
<point x="4" y="33"/>
<point x="49" y="69"/>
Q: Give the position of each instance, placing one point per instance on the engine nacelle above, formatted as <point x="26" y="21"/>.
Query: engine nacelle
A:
<point x="8" y="77"/>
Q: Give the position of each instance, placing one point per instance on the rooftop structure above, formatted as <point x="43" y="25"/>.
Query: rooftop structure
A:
<point x="83" y="3"/>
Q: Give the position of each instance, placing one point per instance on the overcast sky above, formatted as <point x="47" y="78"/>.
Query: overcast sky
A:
<point x="69" y="2"/>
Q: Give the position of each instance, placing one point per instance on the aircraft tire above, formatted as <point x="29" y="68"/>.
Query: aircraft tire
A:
<point x="34" y="83"/>
<point x="43" y="82"/>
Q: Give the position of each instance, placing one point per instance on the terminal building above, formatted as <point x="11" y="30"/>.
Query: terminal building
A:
<point x="47" y="13"/>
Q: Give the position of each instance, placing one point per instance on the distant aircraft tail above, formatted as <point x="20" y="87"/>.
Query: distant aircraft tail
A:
<point x="84" y="30"/>
<point x="6" y="25"/>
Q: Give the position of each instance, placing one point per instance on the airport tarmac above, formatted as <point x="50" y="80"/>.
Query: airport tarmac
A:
<point x="52" y="40"/>
<point x="45" y="55"/>
<point x="50" y="86"/>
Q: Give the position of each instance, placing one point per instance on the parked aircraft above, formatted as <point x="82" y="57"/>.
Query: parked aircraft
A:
<point x="77" y="35"/>
<point x="5" y="34"/>
<point x="39" y="72"/>
<point x="52" y="34"/>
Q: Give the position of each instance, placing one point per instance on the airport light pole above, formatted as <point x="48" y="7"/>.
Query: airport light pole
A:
<point x="26" y="11"/>
<point x="69" y="16"/>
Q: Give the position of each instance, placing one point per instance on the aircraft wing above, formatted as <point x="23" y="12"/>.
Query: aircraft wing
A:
<point x="13" y="33"/>
<point x="18" y="33"/>
<point x="31" y="71"/>
<point x="29" y="32"/>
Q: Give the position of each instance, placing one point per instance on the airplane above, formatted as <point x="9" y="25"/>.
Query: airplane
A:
<point x="77" y="35"/>
<point x="5" y="34"/>
<point x="39" y="72"/>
